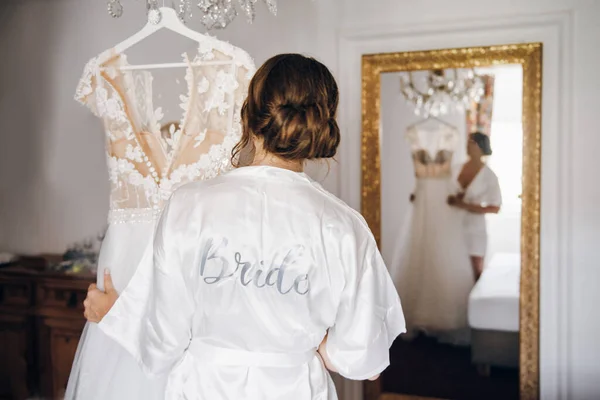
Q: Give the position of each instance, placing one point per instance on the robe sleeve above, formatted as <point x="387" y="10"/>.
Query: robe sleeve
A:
<point x="125" y="320"/>
<point x="369" y="315"/>
<point x="167" y="330"/>
<point x="493" y="194"/>
<point x="152" y="316"/>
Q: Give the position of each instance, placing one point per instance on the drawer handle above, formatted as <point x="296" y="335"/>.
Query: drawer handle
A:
<point x="72" y="303"/>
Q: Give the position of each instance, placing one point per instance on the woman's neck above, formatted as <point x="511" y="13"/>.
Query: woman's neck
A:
<point x="271" y="160"/>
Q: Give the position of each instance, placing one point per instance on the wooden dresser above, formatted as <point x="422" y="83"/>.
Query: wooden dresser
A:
<point x="41" y="319"/>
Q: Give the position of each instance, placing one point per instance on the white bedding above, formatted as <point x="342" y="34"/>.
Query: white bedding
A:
<point x="494" y="301"/>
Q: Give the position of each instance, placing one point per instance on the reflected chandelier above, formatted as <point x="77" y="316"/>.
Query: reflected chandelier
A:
<point x="214" y="14"/>
<point x="444" y="93"/>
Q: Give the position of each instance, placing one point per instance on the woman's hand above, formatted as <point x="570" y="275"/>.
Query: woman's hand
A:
<point x="98" y="303"/>
<point x="456" y="201"/>
<point x="323" y="353"/>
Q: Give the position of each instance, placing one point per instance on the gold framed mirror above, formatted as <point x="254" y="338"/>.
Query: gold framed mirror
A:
<point x="525" y="59"/>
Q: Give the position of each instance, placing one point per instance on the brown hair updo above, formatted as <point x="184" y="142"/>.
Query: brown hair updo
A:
<point x="291" y="104"/>
<point x="483" y="141"/>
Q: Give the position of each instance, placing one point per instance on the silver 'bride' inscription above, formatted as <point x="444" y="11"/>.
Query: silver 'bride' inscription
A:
<point x="249" y="272"/>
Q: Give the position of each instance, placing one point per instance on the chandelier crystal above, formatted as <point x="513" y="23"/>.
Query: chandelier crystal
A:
<point x="441" y="93"/>
<point x="214" y="14"/>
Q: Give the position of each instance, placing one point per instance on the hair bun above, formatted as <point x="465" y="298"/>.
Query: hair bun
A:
<point x="291" y="105"/>
<point x="304" y="129"/>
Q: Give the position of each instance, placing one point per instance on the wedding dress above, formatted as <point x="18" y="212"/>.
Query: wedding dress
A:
<point x="144" y="170"/>
<point x="248" y="273"/>
<point x="431" y="266"/>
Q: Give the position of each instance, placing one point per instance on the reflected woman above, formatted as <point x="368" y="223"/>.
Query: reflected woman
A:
<point x="478" y="194"/>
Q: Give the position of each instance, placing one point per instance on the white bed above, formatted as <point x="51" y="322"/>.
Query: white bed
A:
<point x="494" y="301"/>
<point x="494" y="312"/>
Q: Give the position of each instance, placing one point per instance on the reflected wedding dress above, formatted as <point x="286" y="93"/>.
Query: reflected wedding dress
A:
<point x="431" y="267"/>
<point x="144" y="170"/>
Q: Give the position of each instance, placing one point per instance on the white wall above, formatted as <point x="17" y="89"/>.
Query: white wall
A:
<point x="570" y="31"/>
<point x="504" y="228"/>
<point x="53" y="181"/>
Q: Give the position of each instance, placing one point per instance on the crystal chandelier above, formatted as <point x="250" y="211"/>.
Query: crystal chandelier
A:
<point x="443" y="92"/>
<point x="214" y="14"/>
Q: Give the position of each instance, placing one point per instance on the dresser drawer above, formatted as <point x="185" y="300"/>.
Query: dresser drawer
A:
<point x="16" y="292"/>
<point x="61" y="294"/>
<point x="41" y="319"/>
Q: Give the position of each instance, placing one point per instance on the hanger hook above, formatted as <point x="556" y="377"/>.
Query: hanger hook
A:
<point x="154" y="13"/>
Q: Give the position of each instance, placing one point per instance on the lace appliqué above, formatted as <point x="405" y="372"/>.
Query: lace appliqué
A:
<point x="224" y="84"/>
<point x="200" y="138"/>
<point x="134" y="153"/>
<point x="216" y="93"/>
<point x="203" y="85"/>
<point x="85" y="88"/>
<point x="432" y="149"/>
<point x="132" y="215"/>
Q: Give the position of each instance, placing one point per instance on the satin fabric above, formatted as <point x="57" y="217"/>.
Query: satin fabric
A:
<point x="484" y="190"/>
<point x="259" y="260"/>
<point x="431" y="266"/>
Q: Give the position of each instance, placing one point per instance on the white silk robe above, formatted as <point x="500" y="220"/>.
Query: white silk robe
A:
<point x="247" y="273"/>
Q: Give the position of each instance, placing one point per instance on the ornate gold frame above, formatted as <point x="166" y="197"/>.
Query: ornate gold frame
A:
<point x="529" y="56"/>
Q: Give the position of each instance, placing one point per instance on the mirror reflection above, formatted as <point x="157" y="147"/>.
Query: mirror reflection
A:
<point x="451" y="172"/>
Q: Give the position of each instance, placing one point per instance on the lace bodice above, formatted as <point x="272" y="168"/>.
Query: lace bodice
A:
<point x="145" y="166"/>
<point x="432" y="145"/>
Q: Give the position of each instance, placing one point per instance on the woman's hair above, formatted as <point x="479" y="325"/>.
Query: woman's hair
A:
<point x="291" y="105"/>
<point x="483" y="142"/>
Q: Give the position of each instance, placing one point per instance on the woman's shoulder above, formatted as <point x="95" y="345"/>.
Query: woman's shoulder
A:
<point x="489" y="173"/>
<point x="196" y="192"/>
<point x="346" y="217"/>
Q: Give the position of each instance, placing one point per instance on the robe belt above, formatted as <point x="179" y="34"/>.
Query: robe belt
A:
<point x="210" y="354"/>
